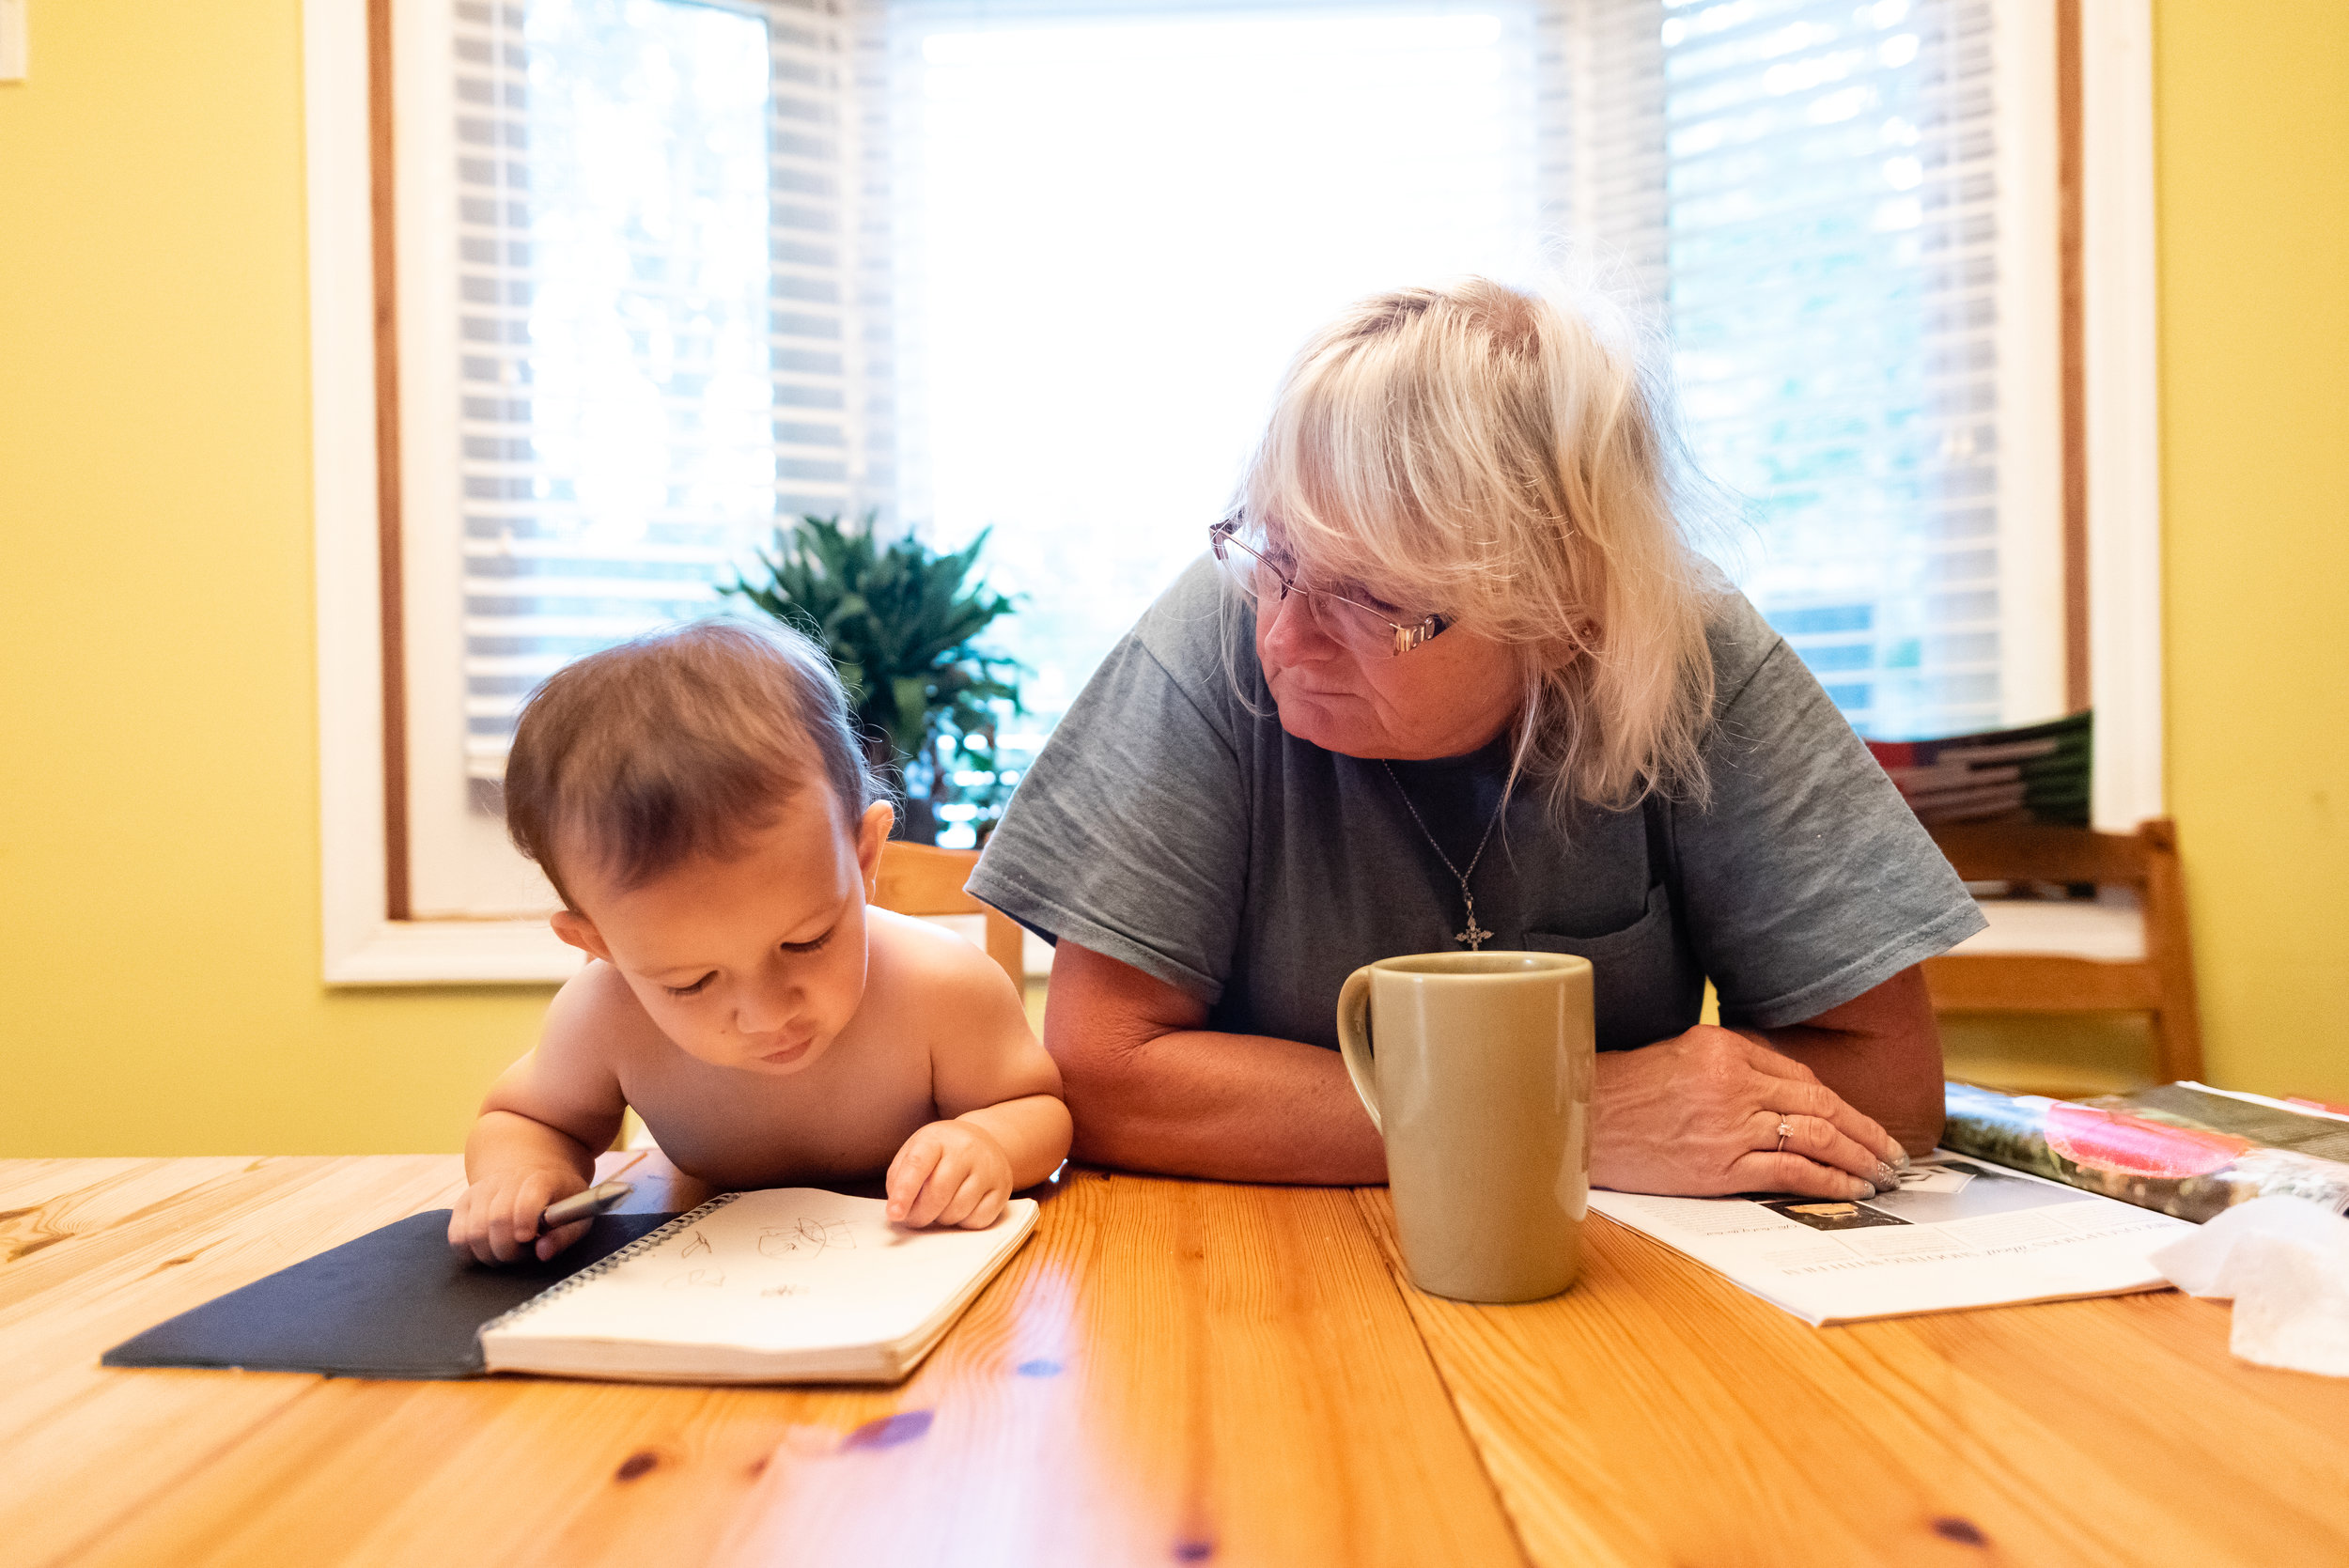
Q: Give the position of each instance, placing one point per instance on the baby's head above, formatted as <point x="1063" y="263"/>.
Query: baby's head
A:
<point x="699" y="801"/>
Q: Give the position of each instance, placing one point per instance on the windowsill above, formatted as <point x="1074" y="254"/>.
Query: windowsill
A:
<point x="527" y="952"/>
<point x="456" y="953"/>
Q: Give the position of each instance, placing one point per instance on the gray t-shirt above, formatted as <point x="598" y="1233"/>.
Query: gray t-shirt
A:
<point x="1166" y="826"/>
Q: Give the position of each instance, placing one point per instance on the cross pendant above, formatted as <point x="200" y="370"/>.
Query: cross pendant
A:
<point x="1475" y="936"/>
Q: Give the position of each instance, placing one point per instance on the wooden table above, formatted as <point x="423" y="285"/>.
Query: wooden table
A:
<point x="1170" y="1371"/>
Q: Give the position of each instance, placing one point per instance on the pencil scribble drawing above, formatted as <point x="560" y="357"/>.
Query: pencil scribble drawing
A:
<point x="695" y="1247"/>
<point x="805" y="1238"/>
<point x="706" y="1277"/>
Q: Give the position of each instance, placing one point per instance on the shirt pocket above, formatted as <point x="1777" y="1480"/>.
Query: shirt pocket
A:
<point x="1645" y="985"/>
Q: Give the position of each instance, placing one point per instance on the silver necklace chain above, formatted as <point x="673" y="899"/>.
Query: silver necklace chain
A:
<point x="1475" y="936"/>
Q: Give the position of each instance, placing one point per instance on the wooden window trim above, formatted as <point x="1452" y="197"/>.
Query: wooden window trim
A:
<point x="384" y="208"/>
<point x="2072" y="294"/>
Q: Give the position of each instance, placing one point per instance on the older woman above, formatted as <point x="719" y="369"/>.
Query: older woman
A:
<point x="1451" y="675"/>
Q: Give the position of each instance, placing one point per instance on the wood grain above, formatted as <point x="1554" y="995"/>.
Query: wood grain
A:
<point x="2169" y="941"/>
<point x="140" y="1244"/>
<point x="2036" y="852"/>
<point x="2072" y="328"/>
<point x="1654" y="1413"/>
<point x="2037" y="982"/>
<point x="924" y="880"/>
<point x="2161" y="984"/>
<point x="1183" y="1372"/>
<point x="1169" y="1371"/>
<point x="391" y="552"/>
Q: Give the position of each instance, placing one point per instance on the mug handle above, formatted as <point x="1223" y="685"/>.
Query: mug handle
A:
<point x="1354" y="1040"/>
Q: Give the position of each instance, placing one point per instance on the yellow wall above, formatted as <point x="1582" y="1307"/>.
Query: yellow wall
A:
<point x="2252" y="124"/>
<point x="159" y="929"/>
<point x="158" y="780"/>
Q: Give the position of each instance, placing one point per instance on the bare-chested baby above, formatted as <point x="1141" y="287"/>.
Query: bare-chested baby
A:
<point x="699" y="801"/>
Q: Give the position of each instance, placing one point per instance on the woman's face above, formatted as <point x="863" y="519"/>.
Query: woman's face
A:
<point x="1450" y="695"/>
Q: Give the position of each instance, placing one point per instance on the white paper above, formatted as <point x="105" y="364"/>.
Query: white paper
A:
<point x="2285" y="1262"/>
<point x="1959" y="1232"/>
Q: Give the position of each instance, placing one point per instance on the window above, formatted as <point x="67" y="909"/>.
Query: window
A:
<point x="1815" y="198"/>
<point x="1090" y="324"/>
<point x="640" y="359"/>
<point x="668" y="270"/>
<point x="1851" y="218"/>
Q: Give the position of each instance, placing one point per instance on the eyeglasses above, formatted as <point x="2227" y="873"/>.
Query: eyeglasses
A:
<point x="1348" y="621"/>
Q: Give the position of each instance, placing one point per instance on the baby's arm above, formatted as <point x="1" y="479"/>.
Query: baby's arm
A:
<point x="542" y="1125"/>
<point x="1008" y="1126"/>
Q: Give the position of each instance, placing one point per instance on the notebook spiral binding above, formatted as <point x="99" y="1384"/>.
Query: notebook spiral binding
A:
<point x="601" y="1267"/>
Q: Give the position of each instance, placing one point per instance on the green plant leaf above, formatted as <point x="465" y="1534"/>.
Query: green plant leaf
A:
<point x="899" y="621"/>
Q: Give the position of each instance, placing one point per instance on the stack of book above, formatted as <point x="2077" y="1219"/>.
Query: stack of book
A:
<point x="2038" y="773"/>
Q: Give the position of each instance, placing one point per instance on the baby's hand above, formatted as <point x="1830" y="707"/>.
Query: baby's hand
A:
<point x="949" y="1173"/>
<point x="498" y="1215"/>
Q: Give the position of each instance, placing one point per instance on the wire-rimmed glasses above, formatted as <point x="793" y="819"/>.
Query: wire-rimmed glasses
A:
<point x="1350" y="622"/>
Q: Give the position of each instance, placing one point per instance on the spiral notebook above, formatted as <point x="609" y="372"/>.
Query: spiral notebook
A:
<point x="789" y="1285"/>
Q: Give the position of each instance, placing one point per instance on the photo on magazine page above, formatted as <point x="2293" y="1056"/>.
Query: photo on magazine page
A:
<point x="1929" y="1194"/>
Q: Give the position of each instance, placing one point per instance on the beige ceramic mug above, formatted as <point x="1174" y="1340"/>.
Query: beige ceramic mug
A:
<point x="1476" y="1069"/>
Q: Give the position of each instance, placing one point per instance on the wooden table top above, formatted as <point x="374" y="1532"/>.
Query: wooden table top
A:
<point x="1169" y="1372"/>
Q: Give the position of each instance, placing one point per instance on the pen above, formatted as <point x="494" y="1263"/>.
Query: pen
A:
<point x="585" y="1205"/>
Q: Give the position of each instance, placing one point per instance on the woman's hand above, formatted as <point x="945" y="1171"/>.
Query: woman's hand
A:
<point x="1698" y="1114"/>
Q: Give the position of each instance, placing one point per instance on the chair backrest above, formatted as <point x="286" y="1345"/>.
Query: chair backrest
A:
<point x="924" y="880"/>
<point x="2160" y="984"/>
<point x="2031" y="853"/>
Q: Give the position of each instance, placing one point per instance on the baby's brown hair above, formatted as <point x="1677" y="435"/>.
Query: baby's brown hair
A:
<point x="675" y="744"/>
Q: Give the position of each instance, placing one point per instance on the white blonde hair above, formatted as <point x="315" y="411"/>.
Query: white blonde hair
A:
<point x="1507" y="459"/>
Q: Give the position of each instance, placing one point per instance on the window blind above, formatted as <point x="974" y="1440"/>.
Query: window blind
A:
<point x="1802" y="195"/>
<point x="1603" y="156"/>
<point x="1802" y="192"/>
<point x="1831" y="264"/>
<point x="656" y="245"/>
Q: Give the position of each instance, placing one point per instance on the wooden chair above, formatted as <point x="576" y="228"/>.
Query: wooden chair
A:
<point x="922" y="880"/>
<point x="2161" y="983"/>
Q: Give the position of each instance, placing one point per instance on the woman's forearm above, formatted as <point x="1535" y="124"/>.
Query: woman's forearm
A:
<point x="1235" y="1107"/>
<point x="1152" y="1091"/>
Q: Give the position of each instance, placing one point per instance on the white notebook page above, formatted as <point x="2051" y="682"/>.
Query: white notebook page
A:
<point x="788" y="1269"/>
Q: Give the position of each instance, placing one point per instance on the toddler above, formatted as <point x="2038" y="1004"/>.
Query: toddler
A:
<point x="699" y="801"/>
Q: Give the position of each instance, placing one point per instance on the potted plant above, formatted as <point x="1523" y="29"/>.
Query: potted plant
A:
<point x="899" y="620"/>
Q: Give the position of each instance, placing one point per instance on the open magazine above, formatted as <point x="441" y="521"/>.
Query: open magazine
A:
<point x="1958" y="1233"/>
<point x="2184" y="1149"/>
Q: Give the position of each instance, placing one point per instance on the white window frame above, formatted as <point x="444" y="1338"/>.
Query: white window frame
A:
<point x="362" y="947"/>
<point x="2029" y="337"/>
<point x="2123" y="367"/>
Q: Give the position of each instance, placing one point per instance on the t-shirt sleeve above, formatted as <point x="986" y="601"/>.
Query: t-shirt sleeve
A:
<point x="1806" y="879"/>
<point x="1129" y="834"/>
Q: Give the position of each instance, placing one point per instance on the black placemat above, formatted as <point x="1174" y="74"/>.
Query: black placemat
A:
<point x="394" y="1303"/>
